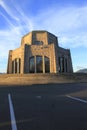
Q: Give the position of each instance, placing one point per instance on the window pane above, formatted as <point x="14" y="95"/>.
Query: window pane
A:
<point x="38" y="42"/>
<point x="39" y="64"/>
<point x="61" y="64"/>
<point x="47" y="65"/>
<point x="19" y="65"/>
<point x="32" y="65"/>
<point x="15" y="65"/>
<point x="66" y="64"/>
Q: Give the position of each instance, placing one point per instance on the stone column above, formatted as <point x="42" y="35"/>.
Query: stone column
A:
<point x="43" y="64"/>
<point x="64" y="65"/>
<point x="67" y="65"/>
<point x="61" y="66"/>
<point x="9" y="66"/>
<point x="14" y="66"/>
<point x="35" y="64"/>
<point x="17" y="65"/>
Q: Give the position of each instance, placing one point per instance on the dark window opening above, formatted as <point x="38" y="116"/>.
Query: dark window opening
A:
<point x="61" y="64"/>
<point x="38" y="42"/>
<point x="39" y="64"/>
<point x="66" y="64"/>
<point x="47" y="65"/>
<point x="32" y="65"/>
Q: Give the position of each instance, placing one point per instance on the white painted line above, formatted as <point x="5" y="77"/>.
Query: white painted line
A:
<point x="39" y="97"/>
<point x="77" y="99"/>
<point x="13" y="121"/>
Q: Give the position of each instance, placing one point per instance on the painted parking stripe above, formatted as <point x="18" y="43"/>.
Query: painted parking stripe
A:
<point x="77" y="99"/>
<point x="12" y="115"/>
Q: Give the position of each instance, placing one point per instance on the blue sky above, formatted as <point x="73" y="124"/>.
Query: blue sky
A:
<point x="67" y="19"/>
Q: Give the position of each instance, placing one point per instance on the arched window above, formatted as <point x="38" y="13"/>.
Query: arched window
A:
<point x="66" y="65"/>
<point x="47" y="64"/>
<point x="32" y="64"/>
<point x="61" y="64"/>
<point x="39" y="64"/>
<point x="16" y="65"/>
<point x="19" y="65"/>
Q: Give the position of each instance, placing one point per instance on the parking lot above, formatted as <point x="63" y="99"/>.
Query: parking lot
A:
<point x="44" y="107"/>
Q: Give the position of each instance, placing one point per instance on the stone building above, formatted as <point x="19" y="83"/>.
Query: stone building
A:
<point x="39" y="53"/>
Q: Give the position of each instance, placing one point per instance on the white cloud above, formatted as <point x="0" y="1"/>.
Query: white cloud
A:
<point x="73" y="41"/>
<point x="8" y="10"/>
<point x="17" y="14"/>
<point x="9" y="40"/>
<point x="65" y="19"/>
<point x="18" y="25"/>
<point x="7" y="20"/>
<point x="69" y="24"/>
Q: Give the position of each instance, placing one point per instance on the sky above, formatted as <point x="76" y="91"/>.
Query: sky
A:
<point x="67" y="19"/>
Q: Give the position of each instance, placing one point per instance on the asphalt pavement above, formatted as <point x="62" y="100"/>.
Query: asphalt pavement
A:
<point x="44" y="107"/>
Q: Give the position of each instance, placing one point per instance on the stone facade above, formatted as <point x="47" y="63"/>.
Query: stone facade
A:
<point x="39" y="53"/>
